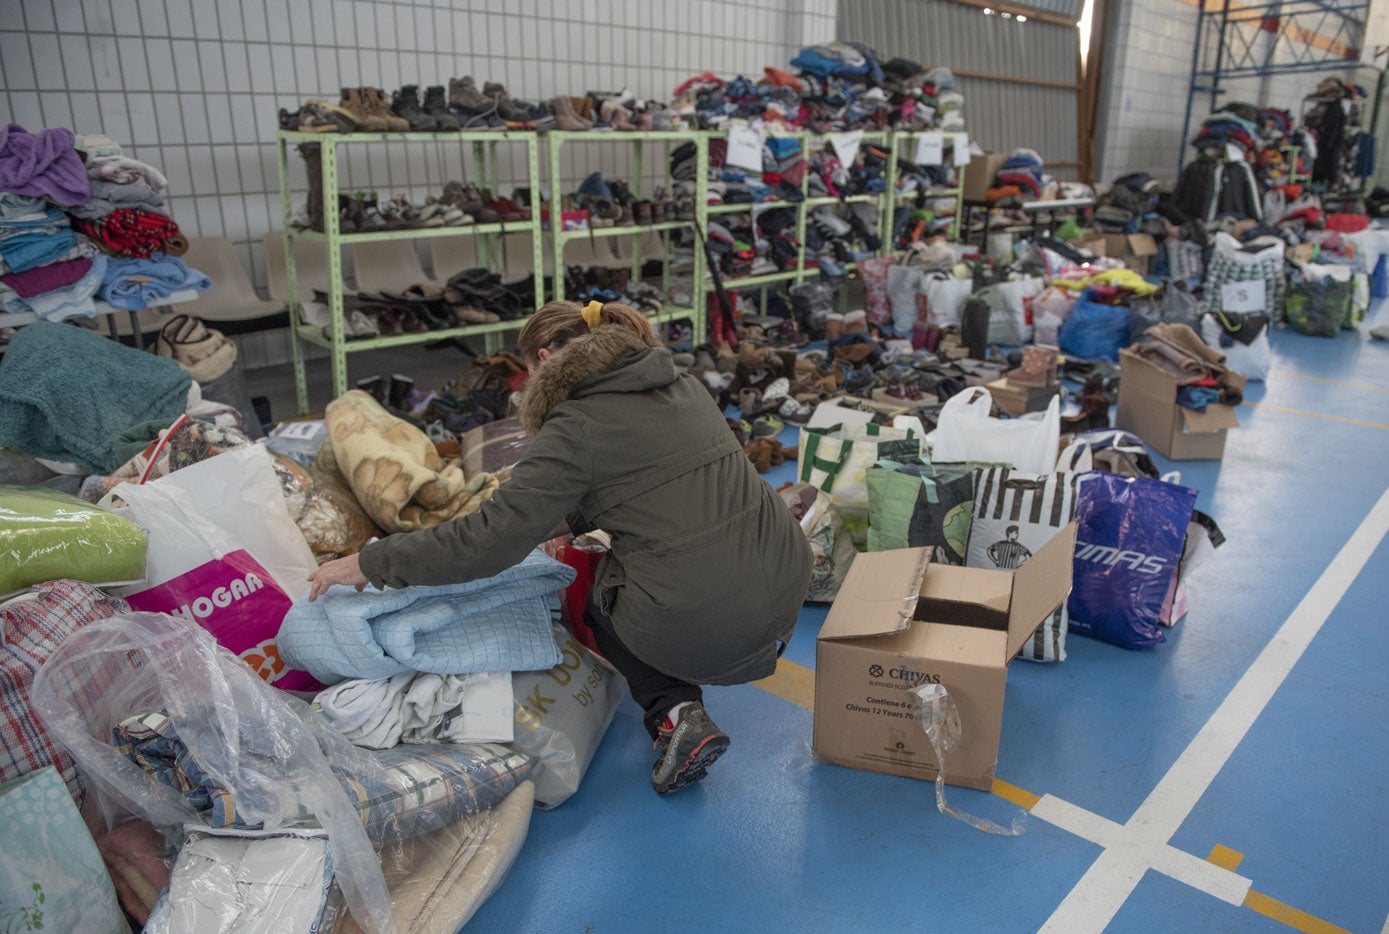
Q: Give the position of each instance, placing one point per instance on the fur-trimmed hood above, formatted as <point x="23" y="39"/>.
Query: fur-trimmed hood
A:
<point x="594" y="363"/>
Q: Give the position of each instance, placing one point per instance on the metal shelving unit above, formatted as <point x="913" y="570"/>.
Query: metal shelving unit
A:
<point x="558" y="139"/>
<point x="896" y="153"/>
<point x="485" y="147"/>
<point x="1268" y="38"/>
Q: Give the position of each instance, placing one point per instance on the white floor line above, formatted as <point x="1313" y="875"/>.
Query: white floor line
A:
<point x="1104" y="888"/>
<point x="1385" y="929"/>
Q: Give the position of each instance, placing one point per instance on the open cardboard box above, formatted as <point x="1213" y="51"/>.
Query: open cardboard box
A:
<point x="1135" y="250"/>
<point x="1148" y="408"/>
<point x="979" y="175"/>
<point x="899" y="622"/>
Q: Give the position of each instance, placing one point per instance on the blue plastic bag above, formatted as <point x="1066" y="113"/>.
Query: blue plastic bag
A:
<point x="1094" y="331"/>
<point x="1129" y="539"/>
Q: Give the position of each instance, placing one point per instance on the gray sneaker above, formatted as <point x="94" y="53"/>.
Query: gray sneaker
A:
<point x="687" y="750"/>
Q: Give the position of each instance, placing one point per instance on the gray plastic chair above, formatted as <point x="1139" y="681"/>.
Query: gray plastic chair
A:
<point x="310" y="267"/>
<point x="389" y="266"/>
<point x="232" y="296"/>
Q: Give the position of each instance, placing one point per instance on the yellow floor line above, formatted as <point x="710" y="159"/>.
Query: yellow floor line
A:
<point x="1332" y="418"/>
<point x="1019" y="796"/>
<point x="1283" y="374"/>
<point x="1225" y="858"/>
<point x="1287" y="914"/>
<point x="791" y="682"/>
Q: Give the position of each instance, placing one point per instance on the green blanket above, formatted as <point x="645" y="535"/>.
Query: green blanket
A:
<point x="67" y="393"/>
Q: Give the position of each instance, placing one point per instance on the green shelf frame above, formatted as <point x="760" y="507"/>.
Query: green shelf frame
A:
<point x="485" y="146"/>
<point x="898" y="150"/>
<point x="558" y="139"/>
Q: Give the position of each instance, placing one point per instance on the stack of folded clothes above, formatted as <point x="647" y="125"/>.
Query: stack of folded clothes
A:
<point x="73" y="231"/>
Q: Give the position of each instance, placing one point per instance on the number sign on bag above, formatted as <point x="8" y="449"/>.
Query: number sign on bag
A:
<point x="1249" y="295"/>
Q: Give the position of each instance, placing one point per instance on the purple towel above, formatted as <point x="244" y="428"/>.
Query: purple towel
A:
<point x="42" y="279"/>
<point x="44" y="164"/>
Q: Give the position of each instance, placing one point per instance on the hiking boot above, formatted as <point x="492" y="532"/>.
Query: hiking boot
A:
<point x="686" y="749"/>
<point x="355" y="103"/>
<point x="379" y="106"/>
<point x="436" y="105"/>
<point x="506" y="108"/>
<point x="406" y="105"/>
<point x="464" y="96"/>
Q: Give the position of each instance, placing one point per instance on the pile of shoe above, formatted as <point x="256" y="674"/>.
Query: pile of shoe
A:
<point x="459" y="107"/>
<point x="619" y="110"/>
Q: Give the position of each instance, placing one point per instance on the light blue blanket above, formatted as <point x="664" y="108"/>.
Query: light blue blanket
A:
<point x="500" y="623"/>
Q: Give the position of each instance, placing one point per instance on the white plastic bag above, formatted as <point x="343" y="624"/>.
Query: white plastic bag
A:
<point x="1252" y="361"/>
<point x="224" y="552"/>
<point x="1015" y="293"/>
<point x="904" y="283"/>
<point x="945" y="297"/>
<point x="966" y="434"/>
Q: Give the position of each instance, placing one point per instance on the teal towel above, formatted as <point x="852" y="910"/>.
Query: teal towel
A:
<point x="67" y="393"/>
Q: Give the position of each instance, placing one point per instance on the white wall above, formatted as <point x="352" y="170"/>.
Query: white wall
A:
<point x="194" y="86"/>
<point x="1146" y="74"/>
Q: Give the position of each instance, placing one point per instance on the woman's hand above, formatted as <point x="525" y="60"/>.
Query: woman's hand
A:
<point x="338" y="571"/>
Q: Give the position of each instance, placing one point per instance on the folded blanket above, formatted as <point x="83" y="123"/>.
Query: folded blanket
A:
<point x="498" y="623"/>
<point x="46" y="278"/>
<point x="130" y="232"/>
<point x="438" y="884"/>
<point x="394" y="470"/>
<point x="31" y="249"/>
<point x="43" y="164"/>
<point x="111" y="196"/>
<point x="414" y="707"/>
<point x="76" y="300"/>
<point x="398" y="795"/>
<point x="65" y="393"/>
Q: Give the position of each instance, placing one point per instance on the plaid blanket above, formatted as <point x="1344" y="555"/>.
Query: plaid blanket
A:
<point x="132" y="233"/>
<point x="402" y="793"/>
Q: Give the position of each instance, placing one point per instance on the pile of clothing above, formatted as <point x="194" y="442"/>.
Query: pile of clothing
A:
<point x="1023" y="176"/>
<point x="838" y="86"/>
<point x="1128" y="201"/>
<point x="76" y="227"/>
<point x="1198" y="368"/>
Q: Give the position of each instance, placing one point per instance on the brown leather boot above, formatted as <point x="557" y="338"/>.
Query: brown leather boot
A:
<point x="355" y="103"/>
<point x="379" y="106"/>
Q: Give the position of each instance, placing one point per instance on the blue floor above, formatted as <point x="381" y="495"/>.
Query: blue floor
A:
<point x="776" y="841"/>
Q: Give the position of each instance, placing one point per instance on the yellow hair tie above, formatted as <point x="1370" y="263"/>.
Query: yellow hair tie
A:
<point x="593" y="314"/>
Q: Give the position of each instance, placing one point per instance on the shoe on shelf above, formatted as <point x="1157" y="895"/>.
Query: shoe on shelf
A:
<point x="323" y="117"/>
<point x="405" y="104"/>
<point x="464" y="96"/>
<point x="380" y="105"/>
<point x="436" y="105"/>
<point x="506" y="107"/>
<point x="355" y="103"/>
<point x="566" y="118"/>
<point x="686" y="749"/>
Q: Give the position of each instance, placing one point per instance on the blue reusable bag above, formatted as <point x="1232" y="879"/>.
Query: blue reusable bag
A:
<point x="1129" y="539"/>
<point x="1094" y="331"/>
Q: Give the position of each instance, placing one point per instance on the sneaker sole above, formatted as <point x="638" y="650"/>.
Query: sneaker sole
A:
<point x="697" y="764"/>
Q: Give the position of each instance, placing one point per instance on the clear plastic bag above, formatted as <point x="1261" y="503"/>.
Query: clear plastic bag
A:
<point x="228" y="750"/>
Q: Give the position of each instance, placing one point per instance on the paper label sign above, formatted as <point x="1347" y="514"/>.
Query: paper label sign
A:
<point x="300" y="431"/>
<point x="930" y="148"/>
<point x="962" y="150"/>
<point x="745" y="148"/>
<point x="1243" y="296"/>
<point x="846" y="146"/>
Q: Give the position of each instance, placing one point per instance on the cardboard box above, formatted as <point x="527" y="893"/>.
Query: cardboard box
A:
<point x="1148" y="408"/>
<point x="979" y="175"/>
<point x="1135" y="250"/>
<point x="1017" y="399"/>
<point x="901" y="621"/>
